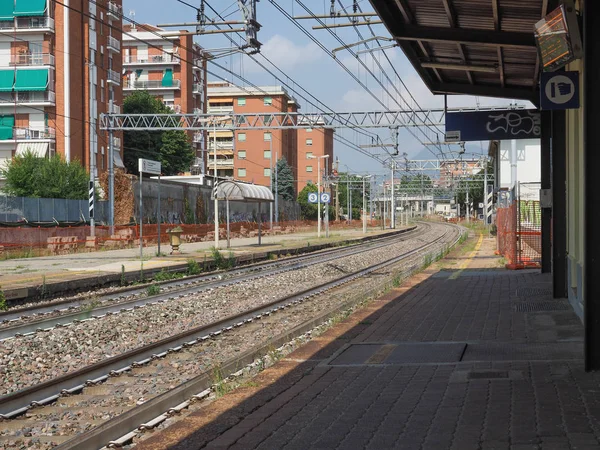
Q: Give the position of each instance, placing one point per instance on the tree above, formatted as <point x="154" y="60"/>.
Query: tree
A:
<point x="171" y="148"/>
<point x="285" y="180"/>
<point x="28" y="175"/>
<point x="307" y="210"/>
<point x="355" y="188"/>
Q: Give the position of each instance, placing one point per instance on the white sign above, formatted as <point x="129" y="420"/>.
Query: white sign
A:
<point x="481" y="205"/>
<point x="325" y="197"/>
<point x="149" y="166"/>
<point x="313" y="197"/>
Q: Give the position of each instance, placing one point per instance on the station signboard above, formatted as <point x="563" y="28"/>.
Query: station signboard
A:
<point x="490" y="125"/>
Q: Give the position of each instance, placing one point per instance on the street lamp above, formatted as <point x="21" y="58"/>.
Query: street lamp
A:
<point x="318" y="158"/>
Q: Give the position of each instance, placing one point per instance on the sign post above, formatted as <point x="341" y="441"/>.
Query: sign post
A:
<point x="151" y="167"/>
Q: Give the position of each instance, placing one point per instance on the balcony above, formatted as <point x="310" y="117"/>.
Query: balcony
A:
<point x="116" y="143"/>
<point x="114" y="11"/>
<point x="113" y="77"/>
<point x="198" y="89"/>
<point x="198" y="111"/>
<point x="198" y="137"/>
<point x="222" y="145"/>
<point x="36" y="59"/>
<point x="220" y="109"/>
<point x="29" y="24"/>
<point x="114" y="45"/>
<point x="151" y="84"/>
<point x="165" y="58"/>
<point x="113" y="109"/>
<point x="46" y="133"/>
<point x="46" y="98"/>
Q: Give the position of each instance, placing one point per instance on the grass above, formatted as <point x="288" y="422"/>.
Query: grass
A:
<point x="222" y="262"/>
<point x="163" y="275"/>
<point x="3" y="304"/>
<point x="220" y="387"/>
<point x="153" y="289"/>
<point x="501" y="261"/>
<point x="193" y="268"/>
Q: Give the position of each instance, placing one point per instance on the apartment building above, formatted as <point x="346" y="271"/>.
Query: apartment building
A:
<point x="249" y="155"/>
<point x="170" y="66"/>
<point x="59" y="69"/>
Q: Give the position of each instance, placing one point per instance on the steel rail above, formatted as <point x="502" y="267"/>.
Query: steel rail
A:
<point x="189" y="286"/>
<point x="17" y="403"/>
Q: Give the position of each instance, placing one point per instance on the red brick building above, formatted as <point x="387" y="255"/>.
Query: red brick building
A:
<point x="248" y="155"/>
<point x="171" y="67"/>
<point x="59" y="69"/>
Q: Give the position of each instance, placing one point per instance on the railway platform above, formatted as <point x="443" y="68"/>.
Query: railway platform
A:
<point x="25" y="278"/>
<point x="466" y="355"/>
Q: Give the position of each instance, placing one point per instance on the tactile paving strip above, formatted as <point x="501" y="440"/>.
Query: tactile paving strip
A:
<point x="541" y="306"/>
<point x="533" y="292"/>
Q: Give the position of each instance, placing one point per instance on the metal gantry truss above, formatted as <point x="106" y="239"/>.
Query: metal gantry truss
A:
<point x="269" y="121"/>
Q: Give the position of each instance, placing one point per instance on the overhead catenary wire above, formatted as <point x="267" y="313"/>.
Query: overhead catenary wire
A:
<point x="324" y="107"/>
<point x="369" y="71"/>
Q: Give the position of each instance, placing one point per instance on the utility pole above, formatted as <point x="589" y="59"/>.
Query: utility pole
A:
<point x="468" y="207"/>
<point x="276" y="190"/>
<point x="271" y="179"/>
<point x="393" y="204"/>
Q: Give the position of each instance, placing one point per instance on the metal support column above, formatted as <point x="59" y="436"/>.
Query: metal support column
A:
<point x="559" y="204"/>
<point x="546" y="175"/>
<point x="111" y="183"/>
<point x="591" y="143"/>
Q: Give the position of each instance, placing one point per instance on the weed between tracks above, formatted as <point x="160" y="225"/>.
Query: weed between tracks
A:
<point x="222" y="262"/>
<point x="3" y="305"/>
<point x="153" y="289"/>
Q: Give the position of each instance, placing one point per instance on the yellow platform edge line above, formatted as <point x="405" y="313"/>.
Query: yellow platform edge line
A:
<point x="466" y="263"/>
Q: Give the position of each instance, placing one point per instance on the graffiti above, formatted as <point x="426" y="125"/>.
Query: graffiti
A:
<point x="514" y="123"/>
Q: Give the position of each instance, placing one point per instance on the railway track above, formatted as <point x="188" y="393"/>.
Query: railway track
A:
<point x="45" y="318"/>
<point x="174" y="361"/>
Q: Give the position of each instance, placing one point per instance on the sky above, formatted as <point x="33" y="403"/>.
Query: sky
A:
<point x="308" y="68"/>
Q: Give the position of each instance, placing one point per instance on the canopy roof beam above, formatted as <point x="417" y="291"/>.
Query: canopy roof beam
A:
<point x="486" y="38"/>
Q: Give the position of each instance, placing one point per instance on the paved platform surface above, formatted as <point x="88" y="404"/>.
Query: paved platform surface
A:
<point x="466" y="356"/>
<point x="28" y="272"/>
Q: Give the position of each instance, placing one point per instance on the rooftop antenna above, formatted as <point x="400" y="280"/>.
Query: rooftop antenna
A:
<point x="132" y="16"/>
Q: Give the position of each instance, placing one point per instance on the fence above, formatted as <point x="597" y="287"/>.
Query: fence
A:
<point x="518" y="221"/>
<point x="44" y="241"/>
<point x="23" y="209"/>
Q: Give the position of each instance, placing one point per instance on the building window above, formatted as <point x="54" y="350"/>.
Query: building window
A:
<point x="242" y="137"/>
<point x="241" y="101"/>
<point x="267" y="136"/>
<point x="267" y="154"/>
<point x="268" y="101"/>
<point x="241" y="154"/>
<point x="309" y="168"/>
<point x="309" y="130"/>
<point x="267" y="172"/>
<point x="309" y="155"/>
<point x="309" y="142"/>
<point x="241" y="173"/>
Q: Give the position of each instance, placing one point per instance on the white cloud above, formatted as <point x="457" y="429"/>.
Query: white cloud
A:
<point x="286" y="54"/>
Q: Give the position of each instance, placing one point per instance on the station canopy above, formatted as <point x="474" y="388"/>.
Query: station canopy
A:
<point x="242" y="192"/>
<point x="475" y="47"/>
